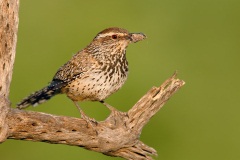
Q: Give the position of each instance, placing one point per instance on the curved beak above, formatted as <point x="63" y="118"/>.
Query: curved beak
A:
<point x="135" y="37"/>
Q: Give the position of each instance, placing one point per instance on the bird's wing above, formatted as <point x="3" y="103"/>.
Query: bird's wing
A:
<point x="79" y="64"/>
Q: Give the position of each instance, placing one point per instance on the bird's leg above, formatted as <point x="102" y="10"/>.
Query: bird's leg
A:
<point x="112" y="109"/>
<point x="84" y="116"/>
<point x="116" y="117"/>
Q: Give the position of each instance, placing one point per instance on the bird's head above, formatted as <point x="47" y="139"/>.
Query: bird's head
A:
<point x="116" y="35"/>
<point x="115" y="40"/>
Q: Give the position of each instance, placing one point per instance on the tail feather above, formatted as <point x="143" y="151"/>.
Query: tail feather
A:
<point x="42" y="95"/>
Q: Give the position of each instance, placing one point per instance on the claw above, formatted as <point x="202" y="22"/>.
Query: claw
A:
<point x="90" y="121"/>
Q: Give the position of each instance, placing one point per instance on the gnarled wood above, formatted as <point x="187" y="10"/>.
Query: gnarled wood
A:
<point x="118" y="135"/>
<point x="8" y="40"/>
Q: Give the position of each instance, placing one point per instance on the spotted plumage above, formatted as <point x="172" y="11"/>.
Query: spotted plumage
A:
<point x="93" y="73"/>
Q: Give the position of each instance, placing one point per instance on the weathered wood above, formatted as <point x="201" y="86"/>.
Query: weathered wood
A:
<point x="8" y="40"/>
<point x="118" y="135"/>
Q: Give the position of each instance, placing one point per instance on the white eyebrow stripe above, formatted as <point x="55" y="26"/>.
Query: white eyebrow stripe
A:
<point x="109" y="34"/>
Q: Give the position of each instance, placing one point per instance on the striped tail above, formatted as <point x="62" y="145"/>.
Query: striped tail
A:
<point x="42" y="95"/>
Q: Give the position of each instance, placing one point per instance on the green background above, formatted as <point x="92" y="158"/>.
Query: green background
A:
<point x="199" y="38"/>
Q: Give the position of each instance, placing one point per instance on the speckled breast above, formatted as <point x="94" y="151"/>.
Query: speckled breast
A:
<point x="97" y="85"/>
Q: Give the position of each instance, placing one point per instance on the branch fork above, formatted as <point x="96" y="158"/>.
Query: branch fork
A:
<point x="118" y="135"/>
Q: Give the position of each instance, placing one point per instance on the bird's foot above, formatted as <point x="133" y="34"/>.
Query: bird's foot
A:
<point x="90" y="121"/>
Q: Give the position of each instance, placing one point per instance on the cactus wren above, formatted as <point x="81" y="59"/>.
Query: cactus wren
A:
<point x="93" y="73"/>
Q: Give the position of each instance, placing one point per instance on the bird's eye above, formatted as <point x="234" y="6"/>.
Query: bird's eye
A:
<point x="114" y="36"/>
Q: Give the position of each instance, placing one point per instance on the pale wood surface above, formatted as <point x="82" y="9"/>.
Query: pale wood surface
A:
<point x="8" y="41"/>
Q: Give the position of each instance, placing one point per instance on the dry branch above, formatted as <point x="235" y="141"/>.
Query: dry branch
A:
<point x="8" y="41"/>
<point x="118" y="135"/>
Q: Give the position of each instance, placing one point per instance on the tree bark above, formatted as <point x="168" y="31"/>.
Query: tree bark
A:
<point x="8" y="41"/>
<point x="118" y="135"/>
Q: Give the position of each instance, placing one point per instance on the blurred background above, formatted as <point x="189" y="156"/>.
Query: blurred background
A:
<point x="199" y="38"/>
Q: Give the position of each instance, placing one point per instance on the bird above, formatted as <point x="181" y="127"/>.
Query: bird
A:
<point x="93" y="73"/>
